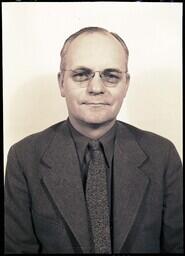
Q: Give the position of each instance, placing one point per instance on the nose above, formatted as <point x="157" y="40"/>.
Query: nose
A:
<point x="95" y="85"/>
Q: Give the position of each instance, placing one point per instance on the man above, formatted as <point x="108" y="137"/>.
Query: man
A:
<point x="92" y="184"/>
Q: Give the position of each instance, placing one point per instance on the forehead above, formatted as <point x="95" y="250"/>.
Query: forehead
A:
<point x="96" y="51"/>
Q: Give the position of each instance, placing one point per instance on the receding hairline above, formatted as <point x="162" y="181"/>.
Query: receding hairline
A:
<point x="89" y="30"/>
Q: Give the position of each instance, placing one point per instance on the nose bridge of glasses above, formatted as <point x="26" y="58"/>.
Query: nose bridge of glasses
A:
<point x="96" y="71"/>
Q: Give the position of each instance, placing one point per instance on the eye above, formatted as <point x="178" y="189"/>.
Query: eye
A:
<point x="80" y="75"/>
<point x="111" y="76"/>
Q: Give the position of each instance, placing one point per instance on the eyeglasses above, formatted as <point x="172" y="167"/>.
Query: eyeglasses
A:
<point x="111" y="77"/>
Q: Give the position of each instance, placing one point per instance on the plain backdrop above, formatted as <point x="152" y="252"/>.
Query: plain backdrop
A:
<point x="33" y="35"/>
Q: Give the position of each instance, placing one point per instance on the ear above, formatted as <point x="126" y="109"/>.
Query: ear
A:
<point x="60" y="82"/>
<point x="127" y="83"/>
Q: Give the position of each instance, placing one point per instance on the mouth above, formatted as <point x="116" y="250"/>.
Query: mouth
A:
<point x="95" y="103"/>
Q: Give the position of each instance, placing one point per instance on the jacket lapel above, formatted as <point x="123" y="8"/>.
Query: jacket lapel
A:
<point x="129" y="184"/>
<point x="63" y="181"/>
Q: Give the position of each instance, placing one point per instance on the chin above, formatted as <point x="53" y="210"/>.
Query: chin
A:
<point x="97" y="120"/>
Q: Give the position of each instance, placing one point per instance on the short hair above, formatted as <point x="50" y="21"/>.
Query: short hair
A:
<point x="88" y="30"/>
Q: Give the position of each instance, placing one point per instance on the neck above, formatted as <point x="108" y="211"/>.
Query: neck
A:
<point x="92" y="131"/>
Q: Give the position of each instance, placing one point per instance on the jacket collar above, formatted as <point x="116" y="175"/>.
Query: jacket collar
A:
<point x="129" y="184"/>
<point x="62" y="178"/>
<point x="63" y="181"/>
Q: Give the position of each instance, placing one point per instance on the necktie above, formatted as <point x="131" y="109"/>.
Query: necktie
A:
<point x="97" y="201"/>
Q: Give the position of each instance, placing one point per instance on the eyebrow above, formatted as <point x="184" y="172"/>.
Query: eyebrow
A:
<point x="82" y="68"/>
<point x="113" y="70"/>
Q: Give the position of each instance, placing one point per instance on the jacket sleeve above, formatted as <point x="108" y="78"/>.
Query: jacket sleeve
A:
<point x="19" y="232"/>
<point x="172" y="222"/>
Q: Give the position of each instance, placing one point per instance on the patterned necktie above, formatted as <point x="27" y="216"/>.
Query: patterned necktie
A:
<point x="97" y="200"/>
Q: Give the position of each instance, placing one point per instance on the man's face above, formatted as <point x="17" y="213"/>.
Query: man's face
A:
<point x="94" y="101"/>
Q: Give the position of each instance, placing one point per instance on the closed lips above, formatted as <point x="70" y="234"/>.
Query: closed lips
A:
<point x="95" y="103"/>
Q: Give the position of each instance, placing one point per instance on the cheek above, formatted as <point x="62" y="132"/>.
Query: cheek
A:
<point x="73" y="97"/>
<point x="118" y="97"/>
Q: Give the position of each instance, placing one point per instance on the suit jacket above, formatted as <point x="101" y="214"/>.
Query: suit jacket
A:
<point x="45" y="210"/>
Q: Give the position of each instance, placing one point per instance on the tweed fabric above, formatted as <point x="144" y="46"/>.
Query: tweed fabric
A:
<point x="97" y="200"/>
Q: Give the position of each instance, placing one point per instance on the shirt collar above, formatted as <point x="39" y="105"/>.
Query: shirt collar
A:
<point x="82" y="141"/>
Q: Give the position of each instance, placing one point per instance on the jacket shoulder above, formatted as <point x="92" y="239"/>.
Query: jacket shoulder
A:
<point x="152" y="144"/>
<point x="141" y="135"/>
<point x="37" y="143"/>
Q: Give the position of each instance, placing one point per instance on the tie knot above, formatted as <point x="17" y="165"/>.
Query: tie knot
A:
<point x="94" y="145"/>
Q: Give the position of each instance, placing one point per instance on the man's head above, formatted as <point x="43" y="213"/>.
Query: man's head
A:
<point x="93" y="76"/>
